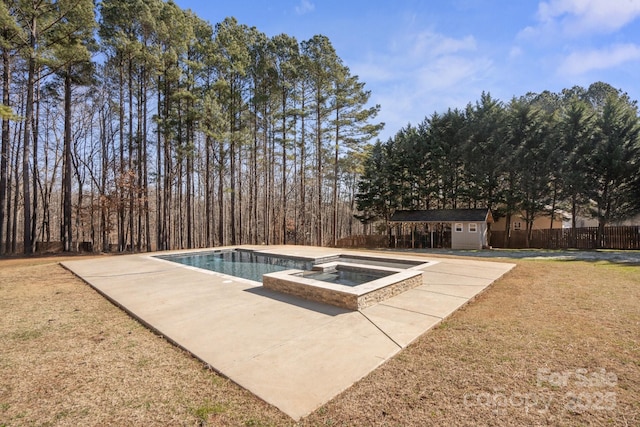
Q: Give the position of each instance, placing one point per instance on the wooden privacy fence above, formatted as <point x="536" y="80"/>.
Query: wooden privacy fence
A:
<point x="615" y="237"/>
<point x="371" y="241"/>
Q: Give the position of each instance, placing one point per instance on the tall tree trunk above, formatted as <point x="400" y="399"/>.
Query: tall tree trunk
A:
<point x="284" y="169"/>
<point x="240" y="230"/>
<point x="159" y="182"/>
<point x="254" y="181"/>
<point x="319" y="228"/>
<point x="4" y="150"/>
<point x="79" y="220"/>
<point x="303" y="184"/>
<point x="26" y="142"/>
<point x="140" y="147"/>
<point x="574" y="212"/>
<point x="221" y="223"/>
<point x="167" y="162"/>
<point x="14" y="219"/>
<point x="553" y="205"/>
<point x="334" y="225"/>
<point x="208" y="199"/>
<point x="104" y="202"/>
<point x="66" y="231"/>
<point x="121" y="171"/>
<point x="12" y="187"/>
<point x="232" y="164"/>
<point x="145" y="164"/>
<point x="273" y="228"/>
<point x="507" y="230"/>
<point x="35" y="177"/>
<point x="266" y="187"/>
<point x="47" y="191"/>
<point x="296" y="192"/>
<point x="131" y="177"/>
<point x="189" y="194"/>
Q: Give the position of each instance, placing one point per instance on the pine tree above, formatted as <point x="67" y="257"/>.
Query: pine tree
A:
<point x="75" y="34"/>
<point x="9" y="40"/>
<point x="352" y="127"/>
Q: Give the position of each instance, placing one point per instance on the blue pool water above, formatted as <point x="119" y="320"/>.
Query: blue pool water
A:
<point x="346" y="277"/>
<point x="248" y="265"/>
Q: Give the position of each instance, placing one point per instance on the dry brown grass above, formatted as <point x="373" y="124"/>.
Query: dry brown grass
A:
<point x="69" y="357"/>
<point x="480" y="367"/>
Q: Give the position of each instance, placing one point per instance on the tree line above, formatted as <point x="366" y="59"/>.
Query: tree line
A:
<point x="577" y="150"/>
<point x="134" y="125"/>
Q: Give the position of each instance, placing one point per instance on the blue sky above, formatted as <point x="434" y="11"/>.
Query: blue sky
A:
<point x="417" y="57"/>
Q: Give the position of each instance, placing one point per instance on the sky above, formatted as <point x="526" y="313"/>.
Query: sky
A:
<point x="418" y="57"/>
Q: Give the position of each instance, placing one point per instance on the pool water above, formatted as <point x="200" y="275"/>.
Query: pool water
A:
<point x="247" y="265"/>
<point x="378" y="262"/>
<point x="345" y="277"/>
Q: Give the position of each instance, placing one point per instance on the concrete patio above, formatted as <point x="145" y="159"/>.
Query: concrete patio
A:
<point x="293" y="353"/>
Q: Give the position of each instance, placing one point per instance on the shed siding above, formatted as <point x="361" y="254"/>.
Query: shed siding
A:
<point x="467" y="240"/>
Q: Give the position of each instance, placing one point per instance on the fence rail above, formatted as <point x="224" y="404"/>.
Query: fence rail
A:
<point x="614" y="237"/>
<point x="361" y="241"/>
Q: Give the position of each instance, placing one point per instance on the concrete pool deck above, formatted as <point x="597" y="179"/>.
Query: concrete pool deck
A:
<point x="293" y="353"/>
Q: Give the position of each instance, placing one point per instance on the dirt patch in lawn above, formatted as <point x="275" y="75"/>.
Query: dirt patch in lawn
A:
<point x="551" y="343"/>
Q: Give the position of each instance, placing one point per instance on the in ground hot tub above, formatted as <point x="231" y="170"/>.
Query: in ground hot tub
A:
<point x="348" y="285"/>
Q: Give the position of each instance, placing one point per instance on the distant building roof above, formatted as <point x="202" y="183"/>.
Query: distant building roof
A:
<point x="443" y="215"/>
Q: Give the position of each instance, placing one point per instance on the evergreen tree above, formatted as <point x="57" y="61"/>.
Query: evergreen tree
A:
<point x="533" y="140"/>
<point x="486" y="132"/>
<point x="375" y="199"/>
<point x="613" y="164"/>
<point x="576" y="129"/>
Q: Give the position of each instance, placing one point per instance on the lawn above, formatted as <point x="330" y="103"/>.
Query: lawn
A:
<point x="551" y="343"/>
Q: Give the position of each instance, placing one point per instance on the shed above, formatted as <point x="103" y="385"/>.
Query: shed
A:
<point x="444" y="228"/>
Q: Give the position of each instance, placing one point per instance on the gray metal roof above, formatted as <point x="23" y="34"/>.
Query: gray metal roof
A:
<point x="443" y="215"/>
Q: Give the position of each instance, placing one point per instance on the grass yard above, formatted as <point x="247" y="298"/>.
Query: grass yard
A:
<point x="551" y="343"/>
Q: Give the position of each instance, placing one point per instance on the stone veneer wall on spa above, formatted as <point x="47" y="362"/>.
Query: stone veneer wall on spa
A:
<point x="351" y="298"/>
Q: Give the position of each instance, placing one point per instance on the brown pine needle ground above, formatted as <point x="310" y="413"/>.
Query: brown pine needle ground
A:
<point x="552" y="343"/>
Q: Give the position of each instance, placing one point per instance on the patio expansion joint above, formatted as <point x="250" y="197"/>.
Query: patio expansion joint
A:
<point x="455" y="274"/>
<point x="446" y="294"/>
<point x="411" y="311"/>
<point x="380" y="329"/>
<point x="136" y="273"/>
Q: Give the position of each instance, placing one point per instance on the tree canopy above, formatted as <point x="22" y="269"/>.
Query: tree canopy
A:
<point x="577" y="149"/>
<point x="133" y="125"/>
<point x="153" y="129"/>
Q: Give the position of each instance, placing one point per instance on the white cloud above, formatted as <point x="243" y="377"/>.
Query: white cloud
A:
<point x="304" y="7"/>
<point x="433" y="44"/>
<point x="574" y="18"/>
<point x="449" y="72"/>
<point x="582" y="62"/>
<point x="423" y="72"/>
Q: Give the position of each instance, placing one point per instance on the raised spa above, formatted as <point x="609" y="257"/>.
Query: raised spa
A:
<point x="348" y="285"/>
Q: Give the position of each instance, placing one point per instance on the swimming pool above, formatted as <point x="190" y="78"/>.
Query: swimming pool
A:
<point x="245" y="264"/>
<point x="344" y="280"/>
